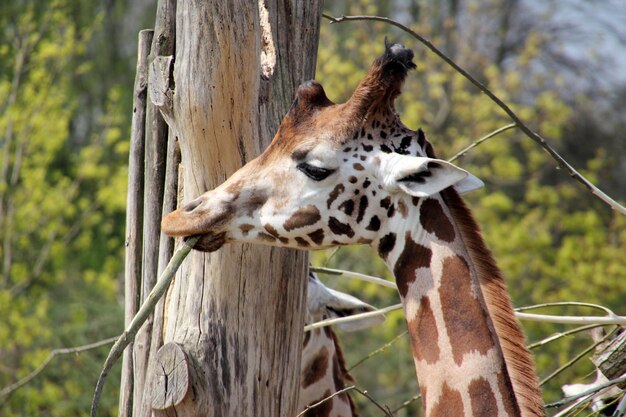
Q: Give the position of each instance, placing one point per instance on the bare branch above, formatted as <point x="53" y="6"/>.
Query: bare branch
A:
<point x="323" y="400"/>
<point x="406" y="403"/>
<point x="350" y="274"/>
<point x="481" y="140"/>
<point x="523" y="126"/>
<point x="560" y="335"/>
<point x="142" y="315"/>
<point x="8" y="390"/>
<point x="354" y="317"/>
<point x="350" y="388"/>
<point x="612" y="318"/>
<point x="366" y="395"/>
<point x="608" y="311"/>
<point x="593" y="390"/>
<point x="546" y="318"/>
<point x="379" y="350"/>
<point x="576" y="358"/>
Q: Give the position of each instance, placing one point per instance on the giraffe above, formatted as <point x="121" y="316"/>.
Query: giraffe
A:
<point x="323" y="369"/>
<point x="353" y="173"/>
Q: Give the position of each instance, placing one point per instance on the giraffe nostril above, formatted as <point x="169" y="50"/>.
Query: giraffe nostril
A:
<point x="191" y="206"/>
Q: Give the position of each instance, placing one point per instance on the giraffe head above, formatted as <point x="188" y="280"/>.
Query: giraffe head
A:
<point x="323" y="368"/>
<point x="334" y="174"/>
<point x="324" y="303"/>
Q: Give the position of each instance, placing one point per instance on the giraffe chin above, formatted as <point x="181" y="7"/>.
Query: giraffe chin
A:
<point x="210" y="242"/>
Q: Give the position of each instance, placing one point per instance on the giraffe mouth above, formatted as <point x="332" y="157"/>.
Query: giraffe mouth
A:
<point x="210" y="242"/>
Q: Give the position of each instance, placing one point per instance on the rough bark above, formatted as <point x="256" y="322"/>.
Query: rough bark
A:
<point x="611" y="358"/>
<point x="236" y="315"/>
<point x="134" y="213"/>
<point x="155" y="164"/>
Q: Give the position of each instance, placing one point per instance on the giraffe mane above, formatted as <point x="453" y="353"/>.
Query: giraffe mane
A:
<point x="517" y="358"/>
<point x="343" y="369"/>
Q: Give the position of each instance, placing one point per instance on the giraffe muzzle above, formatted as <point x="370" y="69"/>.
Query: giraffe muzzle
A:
<point x="210" y="242"/>
<point x="196" y="218"/>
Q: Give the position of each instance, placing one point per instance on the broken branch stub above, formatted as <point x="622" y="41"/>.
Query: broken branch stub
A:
<point x="161" y="93"/>
<point x="611" y="360"/>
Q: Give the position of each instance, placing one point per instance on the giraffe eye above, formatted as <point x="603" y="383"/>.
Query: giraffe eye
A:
<point x="313" y="172"/>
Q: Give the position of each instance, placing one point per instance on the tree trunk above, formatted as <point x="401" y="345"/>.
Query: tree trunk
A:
<point x="233" y="319"/>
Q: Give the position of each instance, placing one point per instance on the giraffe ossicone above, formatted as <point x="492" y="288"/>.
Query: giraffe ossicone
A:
<point x="352" y="173"/>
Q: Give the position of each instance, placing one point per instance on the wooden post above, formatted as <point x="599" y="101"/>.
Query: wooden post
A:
<point x="155" y="164"/>
<point x="134" y="213"/>
<point x="234" y="316"/>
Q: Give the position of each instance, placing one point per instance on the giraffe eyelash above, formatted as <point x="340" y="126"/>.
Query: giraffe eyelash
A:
<point x="313" y="172"/>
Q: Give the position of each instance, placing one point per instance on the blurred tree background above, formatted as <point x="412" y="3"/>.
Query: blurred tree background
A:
<point x="66" y="79"/>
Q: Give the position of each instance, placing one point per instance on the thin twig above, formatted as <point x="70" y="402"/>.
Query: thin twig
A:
<point x="560" y="335"/>
<point x="350" y="274"/>
<point x="406" y="403"/>
<point x="8" y="390"/>
<point x="354" y="317"/>
<point x="323" y="400"/>
<point x="379" y="350"/>
<point x="582" y="320"/>
<point x="569" y="303"/>
<point x="577" y="407"/>
<point x="568" y="400"/>
<point x="376" y="403"/>
<point x="481" y="140"/>
<point x="546" y="318"/>
<point x="142" y="315"/>
<point x="350" y="388"/>
<point x="577" y="357"/>
<point x="523" y="127"/>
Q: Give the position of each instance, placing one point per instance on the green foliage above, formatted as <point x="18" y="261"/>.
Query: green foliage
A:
<point x="62" y="202"/>
<point x="551" y="237"/>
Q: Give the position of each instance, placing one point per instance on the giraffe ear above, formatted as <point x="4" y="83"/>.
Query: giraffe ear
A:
<point x="469" y="183"/>
<point x="422" y="177"/>
<point x="335" y="304"/>
<point x="344" y="305"/>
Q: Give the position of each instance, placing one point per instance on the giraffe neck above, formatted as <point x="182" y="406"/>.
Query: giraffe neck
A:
<point x="468" y="349"/>
<point x="323" y="373"/>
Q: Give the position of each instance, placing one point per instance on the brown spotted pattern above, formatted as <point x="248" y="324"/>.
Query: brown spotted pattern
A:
<point x="363" y="203"/>
<point x="374" y="224"/>
<point x="322" y="410"/>
<point x="435" y="221"/>
<point x="413" y="256"/>
<point x="482" y="398"/>
<point x="449" y="404"/>
<point x="339" y="188"/>
<point x="316" y="369"/>
<point x="305" y="216"/>
<point x="321" y="349"/>
<point x="339" y="228"/>
<point x="386" y="245"/>
<point x="424" y="333"/>
<point x="317" y="236"/>
<point x="465" y="317"/>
